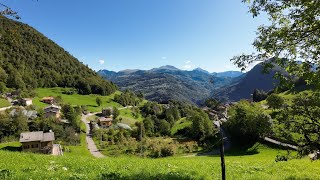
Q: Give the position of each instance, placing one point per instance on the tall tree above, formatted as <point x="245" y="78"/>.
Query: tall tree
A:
<point x="98" y="101"/>
<point x="293" y="35"/>
<point x="300" y="122"/>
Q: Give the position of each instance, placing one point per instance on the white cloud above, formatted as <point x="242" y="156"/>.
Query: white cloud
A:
<point x="187" y="65"/>
<point x="101" y="61"/>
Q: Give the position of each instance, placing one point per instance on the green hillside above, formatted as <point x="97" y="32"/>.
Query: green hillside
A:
<point x="28" y="59"/>
<point x="259" y="165"/>
<point x="75" y="99"/>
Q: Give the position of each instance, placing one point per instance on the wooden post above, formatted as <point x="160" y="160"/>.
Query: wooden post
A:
<point x="223" y="167"/>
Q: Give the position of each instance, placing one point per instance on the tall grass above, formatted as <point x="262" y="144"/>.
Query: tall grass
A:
<point x="257" y="165"/>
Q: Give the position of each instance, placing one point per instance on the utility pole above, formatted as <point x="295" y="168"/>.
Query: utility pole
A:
<point x="223" y="166"/>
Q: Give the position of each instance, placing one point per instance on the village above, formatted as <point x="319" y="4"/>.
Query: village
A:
<point x="44" y="142"/>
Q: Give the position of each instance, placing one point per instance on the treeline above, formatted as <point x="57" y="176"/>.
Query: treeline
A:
<point x="128" y="98"/>
<point x="160" y="118"/>
<point x="30" y="60"/>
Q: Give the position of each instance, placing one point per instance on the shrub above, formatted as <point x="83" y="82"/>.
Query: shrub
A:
<point x="275" y="101"/>
<point x="168" y="150"/>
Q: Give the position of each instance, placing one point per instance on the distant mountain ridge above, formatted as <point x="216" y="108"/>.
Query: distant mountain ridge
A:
<point x="168" y="82"/>
<point x="244" y="85"/>
<point x="232" y="74"/>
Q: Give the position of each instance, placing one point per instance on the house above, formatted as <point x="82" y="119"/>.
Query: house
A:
<point x="48" y="100"/>
<point x="52" y="111"/>
<point x="107" y="112"/>
<point x="37" y="141"/>
<point x="26" y="101"/>
<point x="105" y="122"/>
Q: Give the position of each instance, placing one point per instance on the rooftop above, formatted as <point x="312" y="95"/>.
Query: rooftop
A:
<point x="53" y="106"/>
<point x="36" y="136"/>
<point x="103" y="119"/>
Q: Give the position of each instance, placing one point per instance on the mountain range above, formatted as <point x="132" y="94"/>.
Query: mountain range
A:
<point x="168" y="82"/>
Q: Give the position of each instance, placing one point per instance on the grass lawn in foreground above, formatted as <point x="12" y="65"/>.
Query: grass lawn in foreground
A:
<point x="75" y="99"/>
<point x="259" y="164"/>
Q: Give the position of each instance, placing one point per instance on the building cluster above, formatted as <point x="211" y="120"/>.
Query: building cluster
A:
<point x="38" y="142"/>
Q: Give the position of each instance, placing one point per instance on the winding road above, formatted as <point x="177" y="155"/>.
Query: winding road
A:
<point x="90" y="143"/>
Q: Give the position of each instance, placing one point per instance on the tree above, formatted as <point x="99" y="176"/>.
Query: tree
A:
<point x="275" y="101"/>
<point x="259" y="95"/>
<point x="3" y="75"/>
<point x="293" y="35"/>
<point x="300" y="122"/>
<point x="149" y="126"/>
<point x="247" y="123"/>
<point x="202" y="127"/>
<point x="7" y="11"/>
<point x="98" y="101"/>
<point x="164" y="128"/>
<point x="115" y="112"/>
<point x="70" y="114"/>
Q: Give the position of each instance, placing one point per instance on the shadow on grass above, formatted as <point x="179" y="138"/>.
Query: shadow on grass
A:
<point x="11" y="148"/>
<point x="236" y="151"/>
<point x="92" y="106"/>
<point x="169" y="176"/>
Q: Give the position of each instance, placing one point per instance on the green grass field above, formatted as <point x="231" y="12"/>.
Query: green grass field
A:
<point x="4" y="103"/>
<point x="81" y="165"/>
<point x="75" y="99"/>
<point x="127" y="117"/>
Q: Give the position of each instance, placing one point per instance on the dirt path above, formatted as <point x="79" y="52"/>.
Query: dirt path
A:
<point x="127" y="107"/>
<point x="90" y="143"/>
<point x="5" y="108"/>
<point x="280" y="143"/>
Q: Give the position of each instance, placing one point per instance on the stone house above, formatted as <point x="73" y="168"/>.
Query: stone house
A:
<point x="37" y="141"/>
<point x="105" y="122"/>
<point x="48" y="100"/>
<point x="52" y="111"/>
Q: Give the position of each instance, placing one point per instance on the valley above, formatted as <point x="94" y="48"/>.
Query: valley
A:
<point x="130" y="101"/>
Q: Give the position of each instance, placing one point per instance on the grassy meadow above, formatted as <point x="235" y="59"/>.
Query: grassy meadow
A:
<point x="4" y="103"/>
<point x="75" y="99"/>
<point x="256" y="163"/>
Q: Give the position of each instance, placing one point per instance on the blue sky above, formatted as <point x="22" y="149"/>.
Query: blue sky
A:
<point x="143" y="34"/>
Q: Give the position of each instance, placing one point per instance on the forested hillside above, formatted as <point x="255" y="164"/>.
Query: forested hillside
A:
<point x="28" y="59"/>
<point x="244" y="86"/>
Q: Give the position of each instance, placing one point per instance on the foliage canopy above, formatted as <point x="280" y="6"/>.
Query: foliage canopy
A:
<point x="293" y="36"/>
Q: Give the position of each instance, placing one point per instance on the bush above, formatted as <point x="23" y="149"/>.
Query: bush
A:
<point x="275" y="101"/>
<point x="169" y="150"/>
